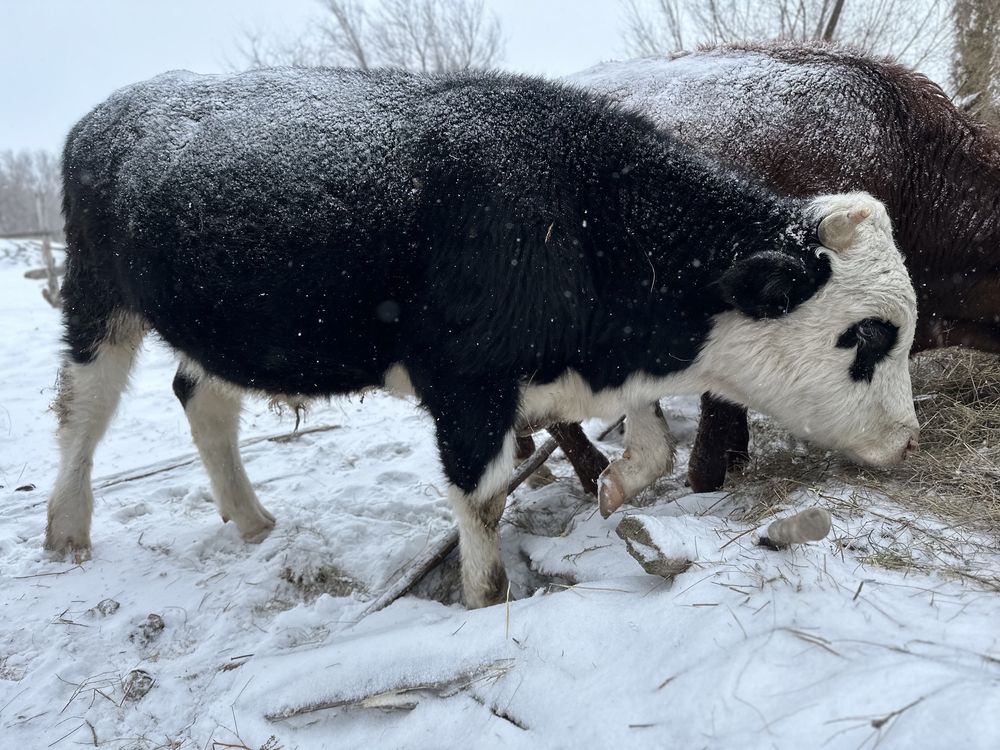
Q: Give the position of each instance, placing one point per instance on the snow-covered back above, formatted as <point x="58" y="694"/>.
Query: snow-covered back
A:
<point x="729" y="101"/>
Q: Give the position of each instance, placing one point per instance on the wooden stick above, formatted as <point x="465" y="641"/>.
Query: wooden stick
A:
<point x="532" y="463"/>
<point x="175" y="463"/>
<point x="396" y="696"/>
<point x="434" y="555"/>
<point x="612" y="427"/>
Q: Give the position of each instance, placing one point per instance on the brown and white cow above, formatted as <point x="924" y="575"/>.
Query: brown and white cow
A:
<point x="796" y="114"/>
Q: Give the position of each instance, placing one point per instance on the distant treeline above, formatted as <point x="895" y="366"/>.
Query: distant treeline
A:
<point x="29" y="192"/>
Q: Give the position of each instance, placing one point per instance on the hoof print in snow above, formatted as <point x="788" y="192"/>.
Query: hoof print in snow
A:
<point x="311" y="583"/>
<point x="648" y="541"/>
<point x="808" y="526"/>
<point x="104" y="608"/>
<point x="149" y="631"/>
<point x="136" y="684"/>
<point x="24" y="488"/>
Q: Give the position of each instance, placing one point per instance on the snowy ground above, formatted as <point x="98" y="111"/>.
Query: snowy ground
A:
<point x="807" y="648"/>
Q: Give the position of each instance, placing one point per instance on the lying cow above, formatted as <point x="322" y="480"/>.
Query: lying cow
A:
<point x="813" y="119"/>
<point x="506" y="249"/>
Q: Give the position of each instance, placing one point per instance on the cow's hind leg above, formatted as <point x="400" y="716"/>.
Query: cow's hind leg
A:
<point x="476" y="440"/>
<point x="213" y="411"/>
<point x="102" y="348"/>
<point x="721" y="443"/>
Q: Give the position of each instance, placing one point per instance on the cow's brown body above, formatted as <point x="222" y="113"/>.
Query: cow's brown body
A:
<point x="797" y="115"/>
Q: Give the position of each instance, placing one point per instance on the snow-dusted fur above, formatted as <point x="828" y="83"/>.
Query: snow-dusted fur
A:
<point x="814" y="118"/>
<point x="504" y="247"/>
<point x="88" y="397"/>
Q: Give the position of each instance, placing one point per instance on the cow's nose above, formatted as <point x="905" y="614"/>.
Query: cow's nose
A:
<point x="911" y="446"/>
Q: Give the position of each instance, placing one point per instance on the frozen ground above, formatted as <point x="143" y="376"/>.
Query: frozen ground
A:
<point x="750" y="648"/>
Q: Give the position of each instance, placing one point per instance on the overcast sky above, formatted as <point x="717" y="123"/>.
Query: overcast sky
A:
<point x="58" y="58"/>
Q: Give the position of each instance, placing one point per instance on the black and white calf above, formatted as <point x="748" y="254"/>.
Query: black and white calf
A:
<point x="506" y="249"/>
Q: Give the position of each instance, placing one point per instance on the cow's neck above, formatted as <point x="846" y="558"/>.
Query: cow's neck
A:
<point x="683" y="228"/>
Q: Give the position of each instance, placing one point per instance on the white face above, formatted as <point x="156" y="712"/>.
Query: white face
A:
<point x="835" y="369"/>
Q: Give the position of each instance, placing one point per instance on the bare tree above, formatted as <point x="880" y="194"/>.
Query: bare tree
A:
<point x="430" y="36"/>
<point x="976" y="64"/>
<point x="915" y="31"/>
<point x="29" y="192"/>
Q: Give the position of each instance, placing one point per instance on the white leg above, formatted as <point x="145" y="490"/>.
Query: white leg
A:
<point x="213" y="412"/>
<point x="88" y="396"/>
<point x="484" y="579"/>
<point x="649" y="454"/>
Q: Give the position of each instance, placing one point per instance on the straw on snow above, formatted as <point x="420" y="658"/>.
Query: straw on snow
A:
<point x="953" y="479"/>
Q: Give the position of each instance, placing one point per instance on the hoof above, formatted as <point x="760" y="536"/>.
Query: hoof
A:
<point x="611" y="493"/>
<point x="495" y="590"/>
<point x="258" y="532"/>
<point x="702" y="480"/>
<point x="63" y="546"/>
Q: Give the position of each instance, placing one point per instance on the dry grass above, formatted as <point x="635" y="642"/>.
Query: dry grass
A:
<point x="956" y="474"/>
<point x="947" y="495"/>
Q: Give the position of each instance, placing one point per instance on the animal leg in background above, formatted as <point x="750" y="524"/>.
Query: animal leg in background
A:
<point x="213" y="412"/>
<point x="587" y="460"/>
<point x="649" y="454"/>
<point x="722" y="443"/>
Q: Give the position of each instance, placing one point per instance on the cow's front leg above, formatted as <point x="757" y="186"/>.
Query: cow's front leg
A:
<point x="475" y="431"/>
<point x="649" y="454"/>
<point x="484" y="577"/>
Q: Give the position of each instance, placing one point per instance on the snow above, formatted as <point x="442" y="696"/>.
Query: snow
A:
<point x="806" y="647"/>
<point x="713" y="98"/>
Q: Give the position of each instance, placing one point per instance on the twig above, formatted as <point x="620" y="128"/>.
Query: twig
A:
<point x="175" y="463"/>
<point x="390" y="697"/>
<point x="814" y="640"/>
<point x="16" y="696"/>
<point x="612" y="427"/>
<point x="532" y="463"/>
<point x="54" y="573"/>
<point x="882" y="721"/>
<point x="434" y="555"/>
<point x="423" y="564"/>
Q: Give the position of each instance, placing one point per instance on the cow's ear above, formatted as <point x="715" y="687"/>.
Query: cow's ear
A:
<point x="837" y="231"/>
<point x="770" y="283"/>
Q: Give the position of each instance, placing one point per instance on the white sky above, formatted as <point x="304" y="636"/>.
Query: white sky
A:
<point x="58" y="58"/>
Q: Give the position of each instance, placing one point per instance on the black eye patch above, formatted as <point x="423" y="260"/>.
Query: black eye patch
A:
<point x="874" y="339"/>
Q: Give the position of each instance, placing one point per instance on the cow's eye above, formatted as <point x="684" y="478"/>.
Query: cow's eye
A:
<point x="874" y="339"/>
